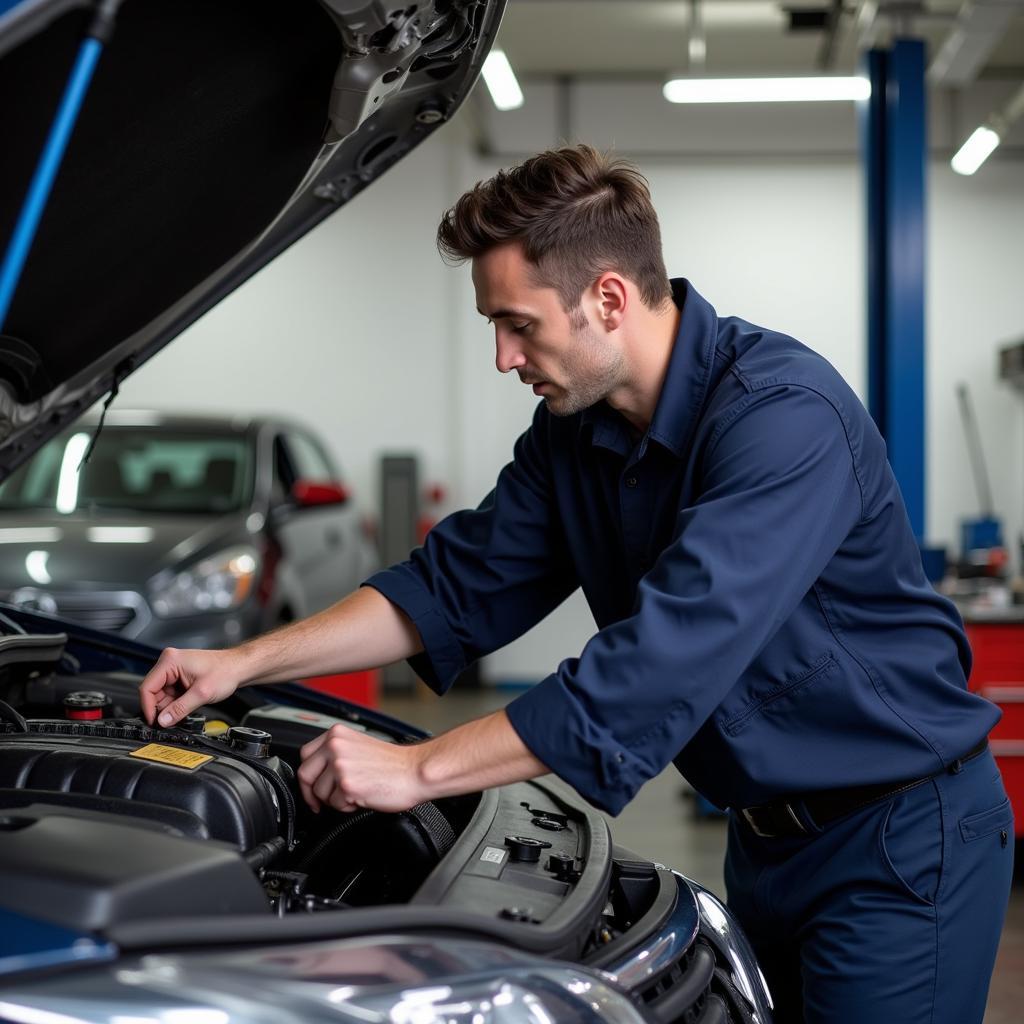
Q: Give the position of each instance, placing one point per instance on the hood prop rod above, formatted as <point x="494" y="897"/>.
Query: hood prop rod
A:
<point x="97" y="36"/>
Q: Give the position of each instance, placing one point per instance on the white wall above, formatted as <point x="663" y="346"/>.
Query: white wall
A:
<point x="351" y="330"/>
<point x="975" y="305"/>
<point x="361" y="330"/>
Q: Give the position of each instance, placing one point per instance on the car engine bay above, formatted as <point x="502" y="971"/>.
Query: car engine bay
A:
<point x="116" y="819"/>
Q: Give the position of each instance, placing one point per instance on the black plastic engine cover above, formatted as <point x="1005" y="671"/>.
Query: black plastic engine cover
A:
<point x="232" y="799"/>
<point x="89" y="870"/>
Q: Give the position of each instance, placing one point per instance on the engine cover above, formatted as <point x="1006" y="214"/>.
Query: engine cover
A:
<point x="198" y="785"/>
<point x="86" y="870"/>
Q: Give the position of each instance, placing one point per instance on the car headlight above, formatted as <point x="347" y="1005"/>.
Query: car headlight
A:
<point x="216" y="584"/>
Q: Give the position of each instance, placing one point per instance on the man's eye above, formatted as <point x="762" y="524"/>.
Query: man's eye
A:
<point x="519" y="328"/>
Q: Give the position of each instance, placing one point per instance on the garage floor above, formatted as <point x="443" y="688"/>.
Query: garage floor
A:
<point x="660" y="824"/>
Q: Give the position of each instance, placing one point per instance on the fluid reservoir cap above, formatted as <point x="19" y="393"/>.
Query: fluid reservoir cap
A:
<point x="525" y="848"/>
<point x="254" y="742"/>
<point x="194" y="723"/>
<point x="563" y="867"/>
<point x="85" y="705"/>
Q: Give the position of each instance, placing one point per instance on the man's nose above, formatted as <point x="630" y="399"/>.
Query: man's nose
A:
<point x="508" y="355"/>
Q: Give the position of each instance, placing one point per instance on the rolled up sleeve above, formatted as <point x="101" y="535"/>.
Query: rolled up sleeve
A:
<point x="484" y="577"/>
<point x="779" y="496"/>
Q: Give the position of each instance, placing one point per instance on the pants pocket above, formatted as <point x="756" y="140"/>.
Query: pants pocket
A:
<point x="910" y="843"/>
<point x="997" y="819"/>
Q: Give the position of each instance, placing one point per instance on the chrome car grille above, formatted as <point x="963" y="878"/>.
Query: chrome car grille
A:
<point x="696" y="990"/>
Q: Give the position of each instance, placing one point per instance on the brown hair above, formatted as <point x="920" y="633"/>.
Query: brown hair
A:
<point x="576" y="212"/>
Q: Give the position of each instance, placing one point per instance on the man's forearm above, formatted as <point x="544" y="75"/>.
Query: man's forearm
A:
<point x="364" y="630"/>
<point x="346" y="769"/>
<point x="477" y="755"/>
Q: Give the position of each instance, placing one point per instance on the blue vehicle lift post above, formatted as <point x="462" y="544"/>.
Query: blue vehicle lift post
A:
<point x="894" y="154"/>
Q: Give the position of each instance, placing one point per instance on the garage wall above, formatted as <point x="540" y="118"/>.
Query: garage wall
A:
<point x="975" y="305"/>
<point x="352" y="331"/>
<point x="362" y="332"/>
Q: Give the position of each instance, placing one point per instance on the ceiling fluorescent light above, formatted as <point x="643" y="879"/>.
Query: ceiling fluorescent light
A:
<point x="975" y="151"/>
<point x="765" y="90"/>
<point x="501" y="81"/>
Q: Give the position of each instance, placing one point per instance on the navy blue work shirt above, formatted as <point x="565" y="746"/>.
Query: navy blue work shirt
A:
<point x="763" y="616"/>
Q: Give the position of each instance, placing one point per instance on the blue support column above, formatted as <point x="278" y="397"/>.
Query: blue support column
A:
<point x="894" y="151"/>
<point x="872" y="148"/>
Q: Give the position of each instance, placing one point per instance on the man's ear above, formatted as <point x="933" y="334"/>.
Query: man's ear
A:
<point x="612" y="298"/>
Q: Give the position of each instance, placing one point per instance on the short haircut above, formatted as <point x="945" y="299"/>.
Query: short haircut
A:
<point x="577" y="214"/>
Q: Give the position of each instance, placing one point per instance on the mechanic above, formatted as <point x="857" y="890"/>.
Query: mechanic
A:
<point x="724" y="501"/>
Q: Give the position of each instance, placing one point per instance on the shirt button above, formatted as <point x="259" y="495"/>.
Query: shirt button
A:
<point x="631" y="481"/>
<point x="620" y="757"/>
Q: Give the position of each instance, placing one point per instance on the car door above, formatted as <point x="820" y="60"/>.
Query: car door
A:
<point x="326" y="539"/>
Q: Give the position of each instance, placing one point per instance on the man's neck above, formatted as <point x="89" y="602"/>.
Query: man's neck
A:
<point x="648" y="349"/>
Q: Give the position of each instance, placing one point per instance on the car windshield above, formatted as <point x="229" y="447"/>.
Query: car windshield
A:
<point x="142" y="469"/>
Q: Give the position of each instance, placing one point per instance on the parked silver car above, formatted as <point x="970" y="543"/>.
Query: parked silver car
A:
<point x="188" y="531"/>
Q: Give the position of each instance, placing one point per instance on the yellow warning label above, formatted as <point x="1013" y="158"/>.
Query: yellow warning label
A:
<point x="189" y="759"/>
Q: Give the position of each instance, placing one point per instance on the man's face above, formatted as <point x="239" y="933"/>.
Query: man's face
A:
<point x="566" y="359"/>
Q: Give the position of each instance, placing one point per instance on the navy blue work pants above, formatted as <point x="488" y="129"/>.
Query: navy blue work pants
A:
<point x="892" y="913"/>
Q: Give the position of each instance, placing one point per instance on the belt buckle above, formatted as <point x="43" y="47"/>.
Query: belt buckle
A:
<point x="787" y="807"/>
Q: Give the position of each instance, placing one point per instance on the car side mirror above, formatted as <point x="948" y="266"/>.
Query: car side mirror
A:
<point x="315" y="493"/>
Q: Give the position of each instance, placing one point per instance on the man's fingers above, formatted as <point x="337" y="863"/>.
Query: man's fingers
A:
<point x="324" y="786"/>
<point x="311" y="767"/>
<point x="184" y="705"/>
<point x="151" y="690"/>
<point x="307" y="795"/>
<point x="309" y="771"/>
<point x="310" y="748"/>
<point x="339" y="803"/>
<point x="160" y="679"/>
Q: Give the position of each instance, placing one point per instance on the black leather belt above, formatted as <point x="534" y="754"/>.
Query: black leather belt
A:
<point x="782" y="817"/>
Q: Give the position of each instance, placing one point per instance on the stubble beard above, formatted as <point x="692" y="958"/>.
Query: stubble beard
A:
<point x="593" y="369"/>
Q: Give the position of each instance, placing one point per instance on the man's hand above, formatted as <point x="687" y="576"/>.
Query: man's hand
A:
<point x="361" y="631"/>
<point x="346" y="769"/>
<point x="182" y="681"/>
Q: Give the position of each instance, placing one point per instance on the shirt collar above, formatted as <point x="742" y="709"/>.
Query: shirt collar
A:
<point x="686" y="382"/>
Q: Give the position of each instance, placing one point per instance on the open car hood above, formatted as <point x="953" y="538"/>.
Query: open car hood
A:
<point x="213" y="135"/>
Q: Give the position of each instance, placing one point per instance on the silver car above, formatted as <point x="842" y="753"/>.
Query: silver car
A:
<point x="186" y="531"/>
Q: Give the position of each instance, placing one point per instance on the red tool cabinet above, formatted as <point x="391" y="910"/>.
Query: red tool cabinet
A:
<point x="998" y="674"/>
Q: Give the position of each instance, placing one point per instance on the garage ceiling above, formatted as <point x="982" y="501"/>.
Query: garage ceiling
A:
<point x="649" y="37"/>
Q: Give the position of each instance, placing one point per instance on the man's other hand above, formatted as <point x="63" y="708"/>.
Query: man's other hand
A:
<point x="182" y="681"/>
<point x="346" y="769"/>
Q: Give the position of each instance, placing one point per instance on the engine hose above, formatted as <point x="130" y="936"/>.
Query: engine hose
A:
<point x="263" y="854"/>
<point x="328" y="840"/>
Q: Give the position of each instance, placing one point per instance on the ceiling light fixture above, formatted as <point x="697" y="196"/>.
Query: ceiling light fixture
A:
<point x="696" y="44"/>
<point x="765" y="90"/>
<point x="978" y="148"/>
<point x="975" y="151"/>
<point x="501" y="81"/>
